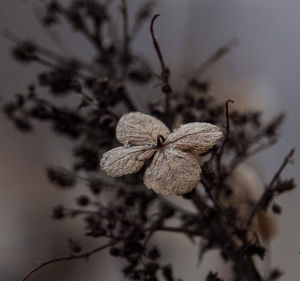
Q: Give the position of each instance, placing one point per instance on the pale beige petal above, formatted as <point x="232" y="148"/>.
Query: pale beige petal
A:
<point x="172" y="172"/>
<point x="125" y="160"/>
<point x="136" y="128"/>
<point x="195" y="137"/>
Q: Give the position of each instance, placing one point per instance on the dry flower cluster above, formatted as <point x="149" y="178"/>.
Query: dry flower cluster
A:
<point x="168" y="163"/>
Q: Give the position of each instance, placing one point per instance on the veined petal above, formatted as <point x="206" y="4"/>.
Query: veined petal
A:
<point x="136" y="128"/>
<point x="194" y="137"/>
<point x="172" y="172"/>
<point x="125" y="160"/>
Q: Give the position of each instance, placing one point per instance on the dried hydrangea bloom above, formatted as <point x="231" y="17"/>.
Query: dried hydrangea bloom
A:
<point x="174" y="168"/>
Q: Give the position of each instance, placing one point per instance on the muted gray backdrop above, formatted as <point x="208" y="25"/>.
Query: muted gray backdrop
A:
<point x="263" y="72"/>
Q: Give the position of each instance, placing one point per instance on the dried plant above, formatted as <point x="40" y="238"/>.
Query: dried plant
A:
<point x="128" y="222"/>
<point x="174" y="169"/>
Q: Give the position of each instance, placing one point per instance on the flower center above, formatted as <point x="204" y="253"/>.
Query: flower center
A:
<point x="160" y="140"/>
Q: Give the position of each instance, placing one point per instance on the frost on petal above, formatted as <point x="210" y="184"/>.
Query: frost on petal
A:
<point x="195" y="137"/>
<point x="172" y="172"/>
<point x="125" y="160"/>
<point x="136" y="128"/>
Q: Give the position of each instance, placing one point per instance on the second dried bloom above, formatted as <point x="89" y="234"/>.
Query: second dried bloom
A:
<point x="174" y="168"/>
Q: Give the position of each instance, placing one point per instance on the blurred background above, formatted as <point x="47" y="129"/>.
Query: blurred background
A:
<point x="263" y="72"/>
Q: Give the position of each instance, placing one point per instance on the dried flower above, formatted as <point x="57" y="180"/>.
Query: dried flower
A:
<point x="229" y="214"/>
<point x="174" y="168"/>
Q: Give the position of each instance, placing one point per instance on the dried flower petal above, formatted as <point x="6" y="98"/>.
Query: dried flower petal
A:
<point x="136" y="128"/>
<point x="195" y="137"/>
<point x="125" y="160"/>
<point x="172" y="172"/>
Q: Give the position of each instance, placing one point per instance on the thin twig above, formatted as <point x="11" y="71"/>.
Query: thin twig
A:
<point x="176" y="207"/>
<point x="165" y="72"/>
<point x="198" y="202"/>
<point x="145" y="10"/>
<point x="162" y="199"/>
<point x="174" y="229"/>
<point x="44" y="62"/>
<point x="227" y="117"/>
<point x="46" y="52"/>
<point x="253" y="142"/>
<point x="275" y="178"/>
<point x="128" y="100"/>
<point x="53" y="35"/>
<point x="238" y="160"/>
<point x="126" y="36"/>
<point x="84" y="29"/>
<point x="155" y="43"/>
<point x="217" y="205"/>
<point x="126" y="56"/>
<point x="287" y="160"/>
<point x="220" y="53"/>
<point x="227" y="134"/>
<point x="85" y="255"/>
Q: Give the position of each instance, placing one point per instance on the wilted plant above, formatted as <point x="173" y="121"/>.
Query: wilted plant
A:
<point x="172" y="163"/>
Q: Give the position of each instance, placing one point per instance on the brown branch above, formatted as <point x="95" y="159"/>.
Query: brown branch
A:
<point x="253" y="142"/>
<point x="126" y="37"/>
<point x="175" y="230"/>
<point x="137" y="188"/>
<point x="220" y="53"/>
<point x="126" y="55"/>
<point x="238" y="160"/>
<point x="270" y="186"/>
<point x="176" y="207"/>
<point x="287" y="160"/>
<point x="155" y="43"/>
<point x="227" y="117"/>
<point x="165" y="72"/>
<point x="227" y="134"/>
<point x="217" y="205"/>
<point x="46" y="52"/>
<point x="198" y="202"/>
<point x="130" y="104"/>
<point x="85" y="255"/>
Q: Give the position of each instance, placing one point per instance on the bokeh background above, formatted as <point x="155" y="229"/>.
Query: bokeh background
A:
<point x="263" y="72"/>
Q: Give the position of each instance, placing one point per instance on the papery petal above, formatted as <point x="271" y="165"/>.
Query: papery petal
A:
<point x="172" y="172"/>
<point x="125" y="160"/>
<point x="136" y="128"/>
<point x="194" y="137"/>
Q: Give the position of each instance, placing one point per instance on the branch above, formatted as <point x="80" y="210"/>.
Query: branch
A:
<point x="85" y="255"/>
<point x="165" y="72"/>
<point x="269" y="188"/>
<point x="126" y="37"/>
<point x="156" y="45"/>
<point x="47" y="52"/>
<point x="287" y="160"/>
<point x="220" y="153"/>
<point x="198" y="202"/>
<point x="137" y="188"/>
<point x="238" y="160"/>
<point x="221" y="52"/>
<point x="217" y="205"/>
<point x="176" y="230"/>
<point x="176" y="207"/>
